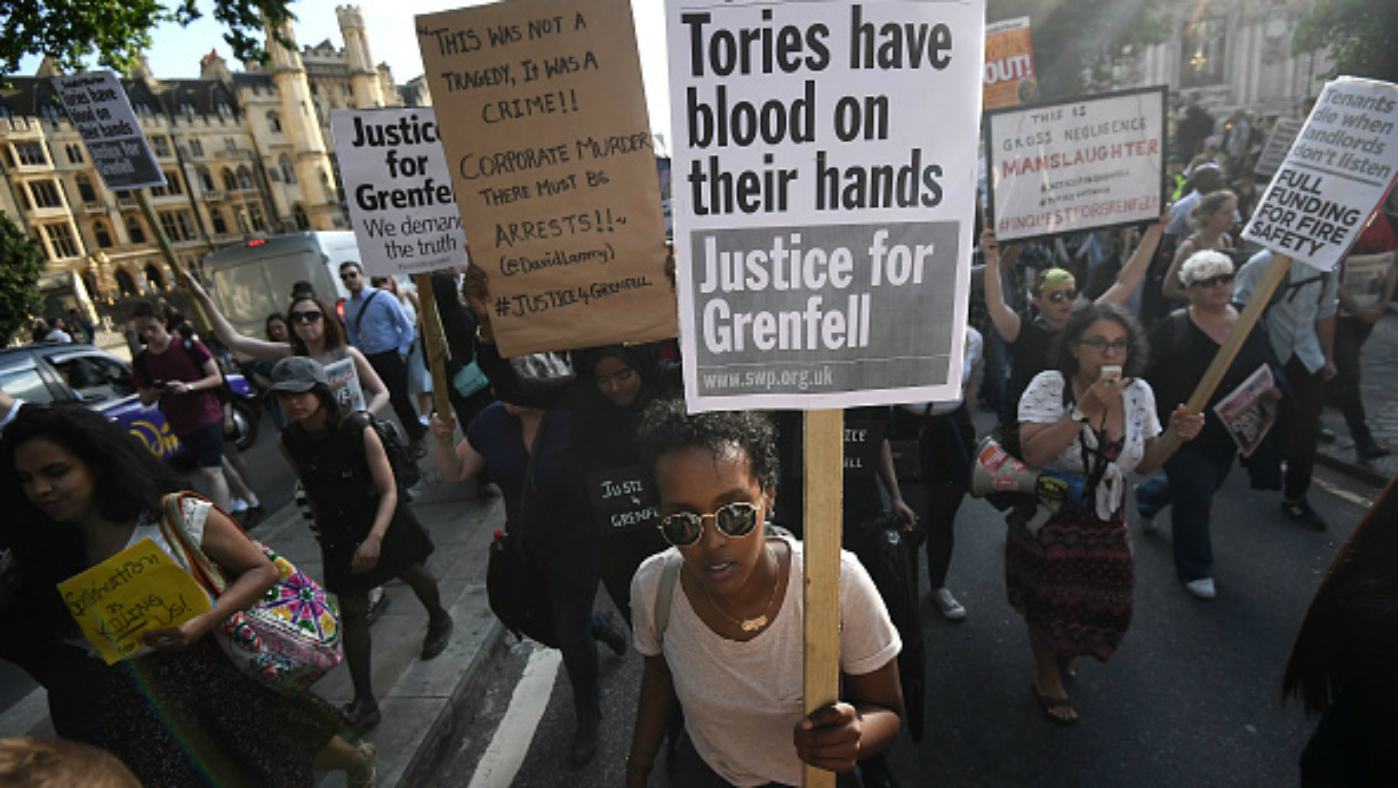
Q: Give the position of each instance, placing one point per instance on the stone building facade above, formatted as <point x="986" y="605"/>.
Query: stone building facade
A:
<point x="246" y="154"/>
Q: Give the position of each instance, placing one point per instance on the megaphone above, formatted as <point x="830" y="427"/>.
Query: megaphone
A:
<point x="997" y="471"/>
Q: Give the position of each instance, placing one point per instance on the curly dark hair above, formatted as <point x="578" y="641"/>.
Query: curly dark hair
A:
<point x="666" y="427"/>
<point x="129" y="480"/>
<point x="1079" y="322"/>
<point x="330" y="322"/>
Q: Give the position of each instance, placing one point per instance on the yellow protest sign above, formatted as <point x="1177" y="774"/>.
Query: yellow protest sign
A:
<point x="138" y="589"/>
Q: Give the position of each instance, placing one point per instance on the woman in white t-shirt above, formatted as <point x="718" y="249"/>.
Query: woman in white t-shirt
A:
<point x="719" y="619"/>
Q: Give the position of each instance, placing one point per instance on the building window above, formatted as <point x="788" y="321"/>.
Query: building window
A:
<point x="229" y="144"/>
<point x="104" y="238"/>
<point x="216" y="218"/>
<point x="245" y="178"/>
<point x="51" y="113"/>
<point x="134" y="231"/>
<point x="172" y="185"/>
<point x="125" y="284"/>
<point x="61" y="241"/>
<point x="288" y="173"/>
<point x="222" y="109"/>
<point x="196" y="148"/>
<point x="31" y="154"/>
<point x="154" y="277"/>
<point x="274" y="123"/>
<point x="177" y="225"/>
<point x="230" y="182"/>
<point x="255" y="216"/>
<point x="273" y="176"/>
<point x="161" y="146"/>
<point x="45" y="194"/>
<point x="1203" y="52"/>
<point x="187" y="109"/>
<point x="206" y="181"/>
<point x="143" y="109"/>
<point x="299" y="215"/>
<point x="85" y="191"/>
<point x="75" y="153"/>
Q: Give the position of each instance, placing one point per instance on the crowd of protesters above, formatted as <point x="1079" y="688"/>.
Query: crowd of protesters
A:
<point x="1086" y="347"/>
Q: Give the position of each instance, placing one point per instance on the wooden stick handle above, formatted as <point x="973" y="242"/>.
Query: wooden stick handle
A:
<point x="822" y="453"/>
<point x="438" y="352"/>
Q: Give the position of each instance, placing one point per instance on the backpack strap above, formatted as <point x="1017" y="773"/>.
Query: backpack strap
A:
<point x="360" y="315"/>
<point x="665" y="592"/>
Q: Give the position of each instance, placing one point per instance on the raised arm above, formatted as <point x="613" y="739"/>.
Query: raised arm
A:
<point x="1171" y="283"/>
<point x="1132" y="272"/>
<point x="224" y="330"/>
<point x="1007" y="322"/>
<point x="455" y="465"/>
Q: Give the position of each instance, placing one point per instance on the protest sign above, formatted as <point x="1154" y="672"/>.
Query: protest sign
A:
<point x="1077" y="165"/>
<point x="1008" y="63"/>
<point x="98" y="108"/>
<point x="1339" y="168"/>
<point x="1247" y="413"/>
<point x="545" y="130"/>
<point x="139" y="589"/>
<point x="399" y="189"/>
<point x="1276" y="146"/>
<point x="1363" y="278"/>
<point x="824" y="204"/>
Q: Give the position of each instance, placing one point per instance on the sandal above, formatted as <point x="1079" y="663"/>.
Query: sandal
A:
<point x="1051" y="705"/>
<point x="366" y="775"/>
<point x="1068" y="665"/>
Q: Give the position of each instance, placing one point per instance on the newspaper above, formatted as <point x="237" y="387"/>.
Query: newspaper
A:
<point x="1247" y="412"/>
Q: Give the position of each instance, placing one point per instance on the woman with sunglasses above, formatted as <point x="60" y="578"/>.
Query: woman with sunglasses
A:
<point x="1072" y="579"/>
<point x="1183" y="346"/>
<point x="1054" y="296"/>
<point x="317" y="333"/>
<point x="1213" y="216"/>
<point x="526" y="452"/>
<point x="728" y="650"/>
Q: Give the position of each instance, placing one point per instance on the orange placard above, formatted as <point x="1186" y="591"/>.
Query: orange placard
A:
<point x="1008" y="62"/>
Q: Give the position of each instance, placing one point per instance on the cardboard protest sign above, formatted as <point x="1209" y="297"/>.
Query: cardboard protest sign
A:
<point x="1339" y="168"/>
<point x="823" y="207"/>
<point x="98" y="108"/>
<point x="545" y="129"/>
<point x="1077" y="165"/>
<point x="1247" y="413"/>
<point x="1008" y="63"/>
<point x="138" y="589"/>
<point x="1363" y="278"/>
<point x="1276" y="147"/>
<point x="400" y="190"/>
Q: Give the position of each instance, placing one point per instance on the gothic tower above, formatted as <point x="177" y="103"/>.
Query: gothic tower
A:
<point x="364" y="78"/>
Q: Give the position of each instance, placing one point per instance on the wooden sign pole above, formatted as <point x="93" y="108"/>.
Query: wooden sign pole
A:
<point x="822" y="456"/>
<point x="438" y="352"/>
<point x="1258" y="300"/>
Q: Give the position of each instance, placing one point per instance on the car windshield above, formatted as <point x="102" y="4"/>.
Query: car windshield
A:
<point x="95" y="378"/>
<point x="25" y="384"/>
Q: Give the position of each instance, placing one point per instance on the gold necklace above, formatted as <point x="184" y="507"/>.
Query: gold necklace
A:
<point x="761" y="621"/>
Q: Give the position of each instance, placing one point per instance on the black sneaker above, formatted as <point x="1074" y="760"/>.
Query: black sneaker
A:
<point x="585" y="743"/>
<point x="1301" y="511"/>
<point x="612" y="634"/>
<point x="360" y="716"/>
<point x="1371" y="451"/>
<point x="1326" y="435"/>
<point x="439" y="635"/>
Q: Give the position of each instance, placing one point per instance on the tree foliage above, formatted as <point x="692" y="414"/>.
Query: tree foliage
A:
<point x="117" y="31"/>
<point x="21" y="263"/>
<point x="1076" y="42"/>
<point x="1358" y="34"/>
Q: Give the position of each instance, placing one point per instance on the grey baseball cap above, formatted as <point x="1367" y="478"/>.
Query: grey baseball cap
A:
<point x="298" y="374"/>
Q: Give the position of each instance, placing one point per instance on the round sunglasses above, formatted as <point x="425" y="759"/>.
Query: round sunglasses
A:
<point x="734" y="521"/>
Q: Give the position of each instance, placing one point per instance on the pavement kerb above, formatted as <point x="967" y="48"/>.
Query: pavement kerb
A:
<point x="1353" y="469"/>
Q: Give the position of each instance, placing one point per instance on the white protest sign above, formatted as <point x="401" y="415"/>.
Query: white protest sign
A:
<point x="1077" y="165"/>
<point x="1340" y="167"/>
<point x="399" y="190"/>
<point x="1276" y="147"/>
<point x="98" y="108"/>
<point x="823" y="203"/>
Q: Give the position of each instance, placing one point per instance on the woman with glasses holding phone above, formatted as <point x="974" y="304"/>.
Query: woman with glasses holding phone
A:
<point x="1183" y="346"/>
<point x="1072" y="579"/>
<point x="315" y="332"/>
<point x="719" y="618"/>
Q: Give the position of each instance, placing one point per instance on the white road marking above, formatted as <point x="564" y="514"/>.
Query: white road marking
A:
<point x="505" y="754"/>
<point x="1345" y="495"/>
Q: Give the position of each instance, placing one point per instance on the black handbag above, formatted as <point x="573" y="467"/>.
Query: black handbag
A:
<point x="516" y="587"/>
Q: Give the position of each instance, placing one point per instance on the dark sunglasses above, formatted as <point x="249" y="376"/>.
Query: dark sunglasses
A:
<point x="306" y="317"/>
<point x="349" y="275"/>
<point x="377" y="281"/>
<point x="735" y="520"/>
<point x="1222" y="279"/>
<point x="1062" y="295"/>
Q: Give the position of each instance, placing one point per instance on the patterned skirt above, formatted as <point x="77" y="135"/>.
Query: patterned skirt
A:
<point x="1073" y="581"/>
<point x="190" y="718"/>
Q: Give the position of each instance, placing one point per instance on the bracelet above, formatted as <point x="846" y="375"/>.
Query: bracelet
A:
<point x="635" y="768"/>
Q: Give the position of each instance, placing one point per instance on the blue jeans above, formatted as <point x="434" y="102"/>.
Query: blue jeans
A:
<point x="1192" y="478"/>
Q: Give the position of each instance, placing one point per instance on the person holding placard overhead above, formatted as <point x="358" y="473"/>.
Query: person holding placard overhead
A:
<point x="1090" y="415"/>
<point x="719" y="618"/>
<point x="79" y="489"/>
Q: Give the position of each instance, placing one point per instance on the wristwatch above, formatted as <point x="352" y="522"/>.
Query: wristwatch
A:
<point x="1079" y="415"/>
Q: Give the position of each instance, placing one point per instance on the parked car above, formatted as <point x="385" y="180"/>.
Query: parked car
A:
<point x="51" y="373"/>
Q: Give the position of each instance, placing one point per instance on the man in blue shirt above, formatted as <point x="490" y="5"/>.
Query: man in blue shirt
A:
<point x="377" y="325"/>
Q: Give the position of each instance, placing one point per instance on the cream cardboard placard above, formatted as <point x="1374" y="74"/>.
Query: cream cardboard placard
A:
<point x="545" y="129"/>
<point x="399" y="190"/>
<point x="136" y="590"/>
<point x="1340" y="166"/>
<point x="824" y="203"/>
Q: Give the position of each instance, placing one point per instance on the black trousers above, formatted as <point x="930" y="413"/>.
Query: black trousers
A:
<point x="1303" y="427"/>
<point x="1346" y="387"/>
<point x="391" y="369"/>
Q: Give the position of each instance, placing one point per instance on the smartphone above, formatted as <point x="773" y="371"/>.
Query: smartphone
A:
<point x="1112" y="372"/>
<point x="159" y="384"/>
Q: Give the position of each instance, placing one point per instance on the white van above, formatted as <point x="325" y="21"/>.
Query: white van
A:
<point x="254" y="279"/>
